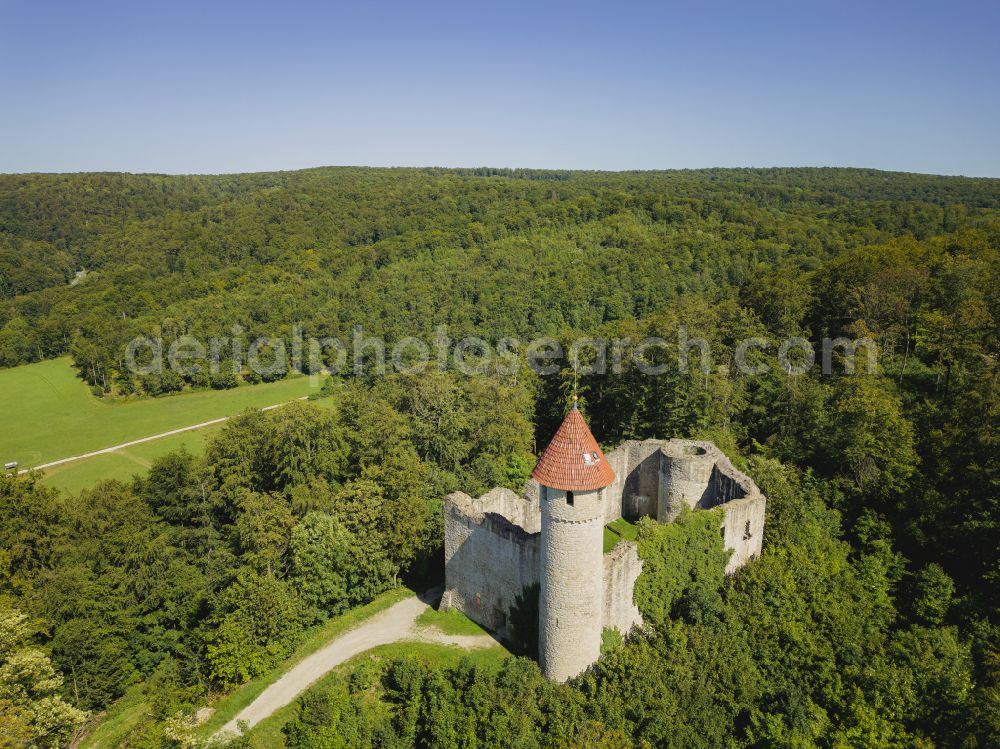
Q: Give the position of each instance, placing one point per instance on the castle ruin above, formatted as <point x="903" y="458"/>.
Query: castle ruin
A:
<point x="552" y="535"/>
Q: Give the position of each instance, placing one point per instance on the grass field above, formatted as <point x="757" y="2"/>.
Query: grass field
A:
<point x="618" y="530"/>
<point x="125" y="463"/>
<point x="47" y="413"/>
<point x="267" y="734"/>
<point x="451" y="622"/>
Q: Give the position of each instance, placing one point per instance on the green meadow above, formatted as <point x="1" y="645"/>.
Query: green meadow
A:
<point x="125" y="463"/>
<point x="451" y="622"/>
<point x="47" y="413"/>
<point x="618" y="530"/>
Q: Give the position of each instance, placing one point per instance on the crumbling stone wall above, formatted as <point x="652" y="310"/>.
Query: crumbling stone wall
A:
<point x="489" y="560"/>
<point x="636" y="486"/>
<point x="744" y="507"/>
<point x="622" y="567"/>
<point x="743" y="530"/>
<point x="685" y="477"/>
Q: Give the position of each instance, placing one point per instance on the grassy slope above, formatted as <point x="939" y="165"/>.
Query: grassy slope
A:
<point x="625" y="529"/>
<point x="451" y="622"/>
<point x="46" y="413"/>
<point x="229" y="705"/>
<point x="618" y="530"/>
<point x="132" y="709"/>
<point x="267" y="734"/>
<point x="119" y="721"/>
<point x="123" y="464"/>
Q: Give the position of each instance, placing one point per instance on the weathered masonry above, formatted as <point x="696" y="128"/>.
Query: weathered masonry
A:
<point x="552" y="535"/>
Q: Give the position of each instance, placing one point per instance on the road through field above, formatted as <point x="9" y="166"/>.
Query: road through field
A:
<point x="123" y="445"/>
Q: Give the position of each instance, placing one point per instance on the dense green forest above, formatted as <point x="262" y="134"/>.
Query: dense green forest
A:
<point x="871" y="620"/>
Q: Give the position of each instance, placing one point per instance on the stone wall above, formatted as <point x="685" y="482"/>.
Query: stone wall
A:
<point x="622" y="567"/>
<point x="489" y="560"/>
<point x="637" y="483"/>
<point x="743" y="530"/>
<point x="611" y="495"/>
<point x="744" y="507"/>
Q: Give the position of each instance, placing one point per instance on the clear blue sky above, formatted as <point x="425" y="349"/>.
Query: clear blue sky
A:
<point x="177" y="86"/>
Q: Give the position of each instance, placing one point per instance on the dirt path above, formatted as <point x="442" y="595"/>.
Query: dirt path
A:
<point x="123" y="445"/>
<point x="396" y="623"/>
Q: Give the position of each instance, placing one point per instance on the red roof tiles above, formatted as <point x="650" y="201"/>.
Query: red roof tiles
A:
<point x="573" y="461"/>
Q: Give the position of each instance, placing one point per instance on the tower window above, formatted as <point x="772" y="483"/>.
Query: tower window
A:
<point x="569" y="498"/>
<point x="746" y="532"/>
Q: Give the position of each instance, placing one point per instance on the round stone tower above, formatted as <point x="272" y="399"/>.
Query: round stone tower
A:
<point x="572" y="472"/>
<point x="686" y="478"/>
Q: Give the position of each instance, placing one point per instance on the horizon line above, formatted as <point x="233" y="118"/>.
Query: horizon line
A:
<point x="430" y="167"/>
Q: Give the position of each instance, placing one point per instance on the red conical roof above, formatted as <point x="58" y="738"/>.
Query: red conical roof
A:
<point x="573" y="461"/>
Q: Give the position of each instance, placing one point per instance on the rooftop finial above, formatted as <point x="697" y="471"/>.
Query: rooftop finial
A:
<point x="575" y="396"/>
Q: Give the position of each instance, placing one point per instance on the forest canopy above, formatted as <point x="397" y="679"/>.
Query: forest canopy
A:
<point x="872" y="618"/>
